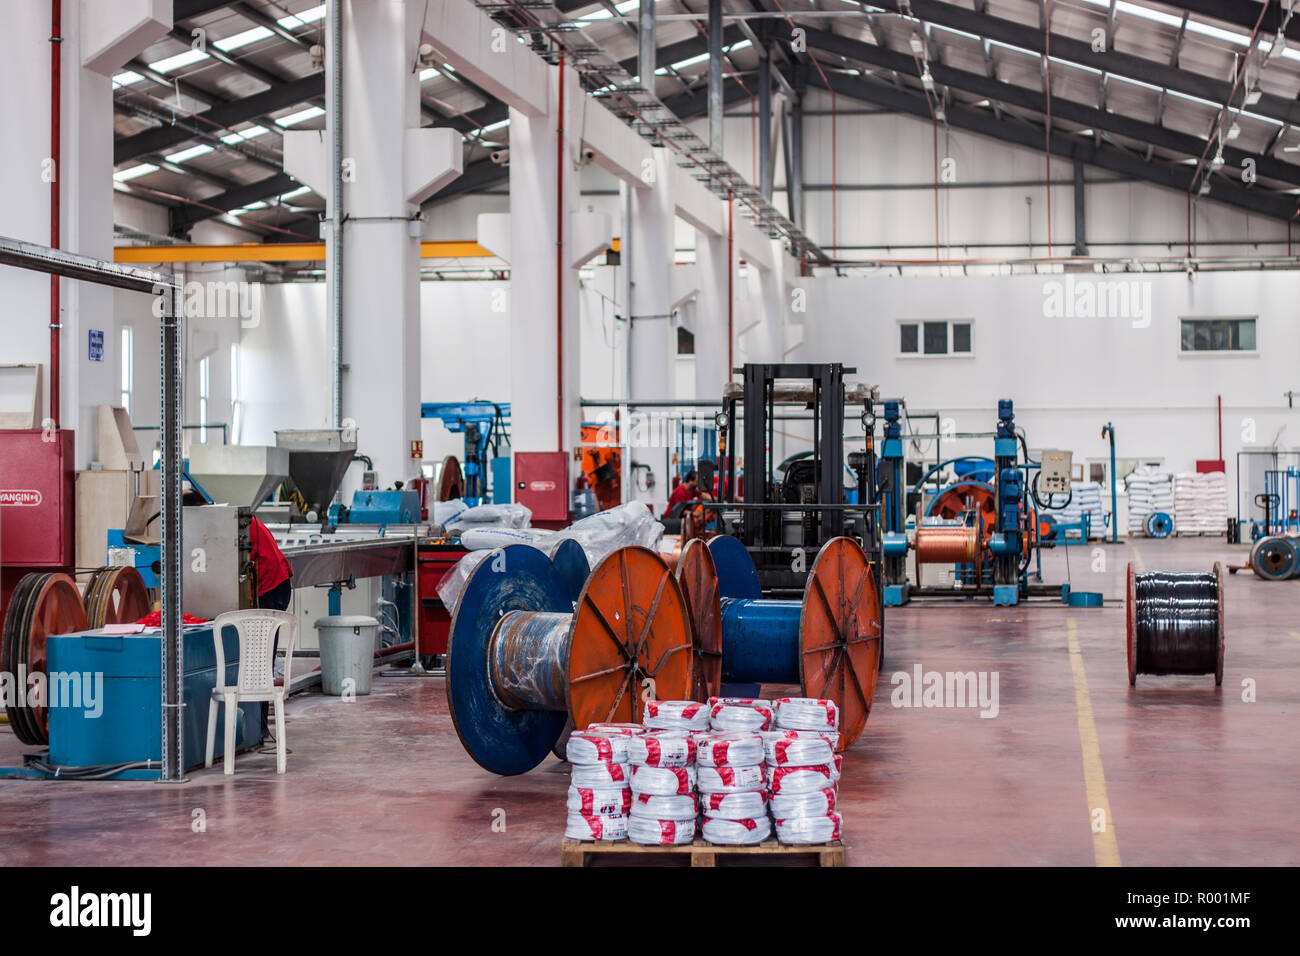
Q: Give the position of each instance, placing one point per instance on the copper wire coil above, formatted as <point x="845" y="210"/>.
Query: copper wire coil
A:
<point x="947" y="546"/>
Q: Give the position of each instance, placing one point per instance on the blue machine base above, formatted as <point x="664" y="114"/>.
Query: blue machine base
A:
<point x="896" y="595"/>
<point x="1085" y="599"/>
<point x="1006" y="595"/>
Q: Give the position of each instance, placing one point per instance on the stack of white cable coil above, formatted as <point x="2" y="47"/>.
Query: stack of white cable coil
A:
<point x="733" y="789"/>
<point x="600" y="797"/>
<point x="803" y="772"/>
<point x="664" y="807"/>
<point x="735" y="713"/>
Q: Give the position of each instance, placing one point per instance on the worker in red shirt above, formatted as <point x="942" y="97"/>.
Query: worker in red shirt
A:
<point x="687" y="490"/>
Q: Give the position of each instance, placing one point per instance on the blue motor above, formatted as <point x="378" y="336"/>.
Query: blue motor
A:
<point x="1011" y="490"/>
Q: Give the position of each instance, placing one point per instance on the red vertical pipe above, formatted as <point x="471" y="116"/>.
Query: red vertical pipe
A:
<point x="559" y="267"/>
<point x="1220" y="428"/>
<point x="56" y="119"/>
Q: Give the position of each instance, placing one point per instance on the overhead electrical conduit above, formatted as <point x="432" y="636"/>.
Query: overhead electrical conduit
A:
<point x="56" y="120"/>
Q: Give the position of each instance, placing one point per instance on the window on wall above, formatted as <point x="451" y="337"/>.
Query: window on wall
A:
<point x="685" y="341"/>
<point x="947" y="337"/>
<point x="236" y="405"/>
<point x="1218" y="335"/>
<point x="128" y="368"/>
<point x="205" y="392"/>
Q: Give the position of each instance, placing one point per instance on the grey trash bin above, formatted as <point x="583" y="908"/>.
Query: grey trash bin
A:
<point x="347" y="652"/>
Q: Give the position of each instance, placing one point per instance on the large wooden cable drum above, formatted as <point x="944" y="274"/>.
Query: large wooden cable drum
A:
<point x="525" y="658"/>
<point x="115" y="595"/>
<point x="41" y="606"/>
<point x="699" y="583"/>
<point x="451" y="482"/>
<point x="828" y="643"/>
<point x="1175" y="623"/>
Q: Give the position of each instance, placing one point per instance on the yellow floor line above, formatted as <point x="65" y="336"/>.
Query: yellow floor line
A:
<point x="1105" y="847"/>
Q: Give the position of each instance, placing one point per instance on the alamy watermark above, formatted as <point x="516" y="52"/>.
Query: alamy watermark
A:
<point x="1086" y="298"/>
<point x="211" y="300"/>
<point x="922" y="688"/>
<point x="80" y="690"/>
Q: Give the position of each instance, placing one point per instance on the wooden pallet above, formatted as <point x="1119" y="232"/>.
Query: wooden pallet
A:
<point x="768" y="853"/>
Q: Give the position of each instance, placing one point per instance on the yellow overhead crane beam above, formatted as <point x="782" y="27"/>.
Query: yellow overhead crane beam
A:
<point x="285" y="252"/>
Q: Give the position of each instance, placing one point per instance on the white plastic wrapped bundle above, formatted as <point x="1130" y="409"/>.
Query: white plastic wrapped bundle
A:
<point x="602" y="800"/>
<point x="600" y="775"/>
<point x="491" y="516"/>
<point x="800" y="749"/>
<point x="584" y="746"/>
<point x="730" y="779"/>
<point x="664" y="781"/>
<point x="595" y="826"/>
<point x="489" y="539"/>
<point x="812" y="803"/>
<point x="606" y="531"/>
<point x="801" y="779"/>
<point x="616" y="728"/>
<point x="676" y="715"/>
<point x="808" y="829"/>
<point x="740" y="716"/>
<point x="647" y="830"/>
<point x="453" y="582"/>
<point x="729" y="750"/>
<point x="680" y="806"/>
<point x="440" y="512"/>
<point x="661" y="748"/>
<point x="746" y="832"/>
<point x="736" y="806"/>
<point x="805" y="713"/>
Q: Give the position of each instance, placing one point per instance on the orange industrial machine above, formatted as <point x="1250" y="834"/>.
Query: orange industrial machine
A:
<point x="602" y="464"/>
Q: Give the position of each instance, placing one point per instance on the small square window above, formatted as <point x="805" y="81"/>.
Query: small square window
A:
<point x="936" y="338"/>
<point x="907" y="339"/>
<point x="685" y="342"/>
<point x="961" y="337"/>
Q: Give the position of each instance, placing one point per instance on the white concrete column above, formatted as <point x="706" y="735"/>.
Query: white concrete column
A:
<point x="97" y="40"/>
<point x="653" y="341"/>
<point x="712" y="272"/>
<point x="544" y="356"/>
<point x="390" y="165"/>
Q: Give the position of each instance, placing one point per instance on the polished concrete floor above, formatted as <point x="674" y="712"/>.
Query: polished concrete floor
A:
<point x="1172" y="772"/>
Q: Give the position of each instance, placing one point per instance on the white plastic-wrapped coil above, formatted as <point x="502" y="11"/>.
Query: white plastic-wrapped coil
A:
<point x="742" y="701"/>
<point x="747" y="832"/>
<point x="808" y="829"/>
<point x="735" y="806"/>
<point x="740" y="716"/>
<point x="810" y="803"/>
<point x="662" y="748"/>
<point x="584" y="746"/>
<point x="801" y="779"/>
<point x="601" y="800"/>
<point x="676" y="715"/>
<point x="664" y="781"/>
<point x="738" y="749"/>
<point x="802" y="750"/>
<point x="616" y="728"/>
<point x="806" y="713"/>
<point x="595" y="826"/>
<point x="680" y="806"/>
<point x="599" y="776"/>
<point x="648" y="830"/>
<point x="730" y="779"/>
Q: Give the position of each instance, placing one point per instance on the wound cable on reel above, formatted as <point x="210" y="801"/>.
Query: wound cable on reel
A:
<point x="1175" y="623"/>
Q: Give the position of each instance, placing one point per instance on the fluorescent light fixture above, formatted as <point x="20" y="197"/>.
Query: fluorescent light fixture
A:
<point x="230" y="139"/>
<point x="602" y="14"/>
<point x="126" y="78"/>
<point x="428" y="74"/>
<point x="143" y="169"/>
<point x="200" y="150"/>
<point x="497" y="125"/>
<point x="249" y="208"/>
<point x="293" y="119"/>
<point x="301" y="190"/>
<point x="178" y="61"/>
<point x="303" y="18"/>
<point x="241" y="39"/>
<point x="689" y="61"/>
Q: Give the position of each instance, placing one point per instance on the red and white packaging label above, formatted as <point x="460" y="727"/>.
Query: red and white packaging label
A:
<point x="728" y="779"/>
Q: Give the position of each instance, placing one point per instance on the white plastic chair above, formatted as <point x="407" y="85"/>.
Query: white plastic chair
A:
<point x="255" y="682"/>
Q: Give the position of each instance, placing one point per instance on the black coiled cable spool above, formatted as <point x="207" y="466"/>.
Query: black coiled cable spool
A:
<point x="1175" y="623"/>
